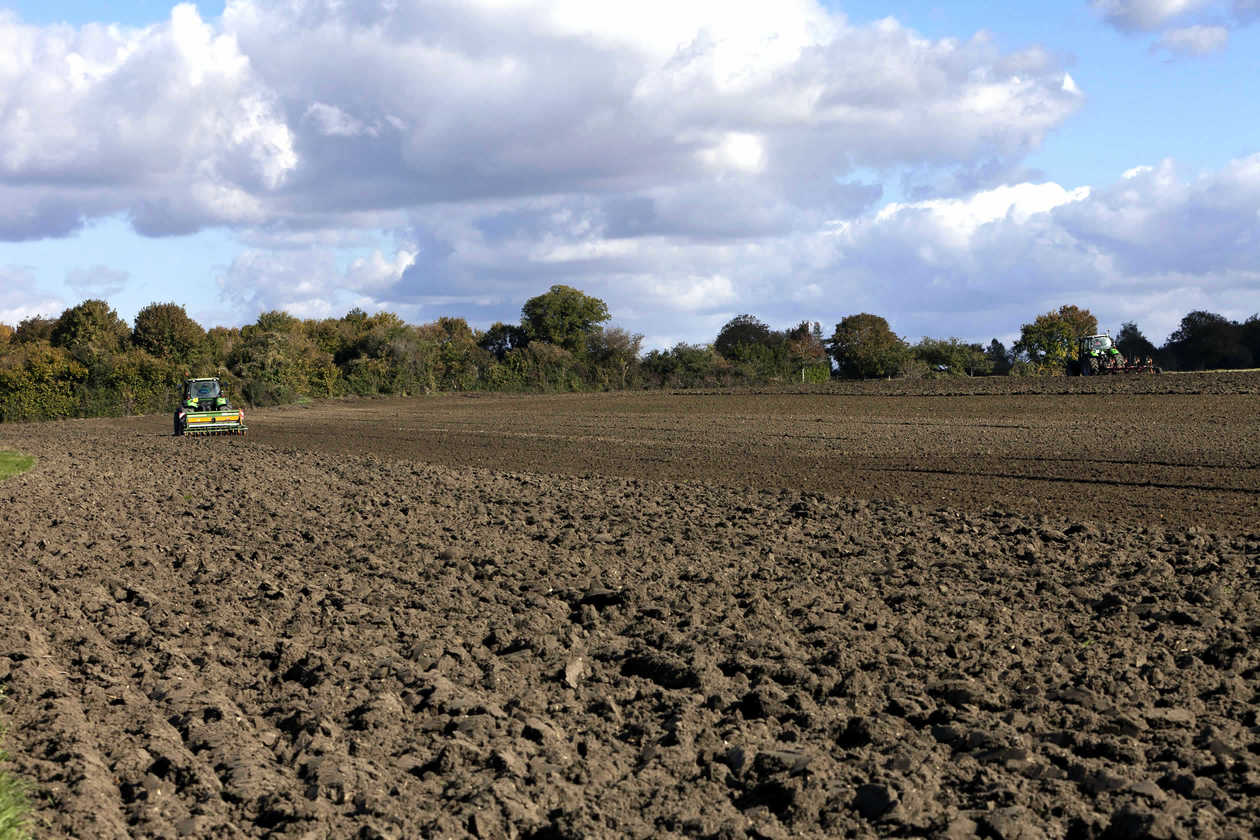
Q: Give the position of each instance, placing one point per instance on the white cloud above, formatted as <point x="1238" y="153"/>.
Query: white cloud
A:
<point x="688" y="294"/>
<point x="302" y="114"/>
<point x="1144" y="15"/>
<point x="303" y="283"/>
<point x="376" y="271"/>
<point x="334" y="122"/>
<point x="1185" y="27"/>
<point x="167" y="123"/>
<point x="306" y="281"/>
<point x="682" y="159"/>
<point x="1149" y="247"/>
<point x="21" y="297"/>
<point x="960" y="217"/>
<point x="1194" y="40"/>
<point x="96" y="282"/>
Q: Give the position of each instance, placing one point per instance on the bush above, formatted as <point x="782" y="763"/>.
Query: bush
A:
<point x="39" y="382"/>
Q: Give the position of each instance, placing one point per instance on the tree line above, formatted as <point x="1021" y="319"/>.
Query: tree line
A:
<point x="89" y="362"/>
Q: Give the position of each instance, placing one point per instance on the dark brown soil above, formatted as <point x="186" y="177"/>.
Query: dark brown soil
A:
<point x="729" y="615"/>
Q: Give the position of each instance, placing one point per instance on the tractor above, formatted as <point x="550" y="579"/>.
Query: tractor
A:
<point x="204" y="410"/>
<point x="1098" y="355"/>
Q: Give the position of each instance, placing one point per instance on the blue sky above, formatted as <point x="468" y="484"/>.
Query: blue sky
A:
<point x="957" y="168"/>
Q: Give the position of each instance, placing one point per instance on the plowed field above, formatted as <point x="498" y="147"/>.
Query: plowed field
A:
<point x="1002" y="609"/>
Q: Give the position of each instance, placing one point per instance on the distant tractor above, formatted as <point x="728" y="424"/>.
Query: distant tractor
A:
<point x="204" y="410"/>
<point x="1098" y="355"/>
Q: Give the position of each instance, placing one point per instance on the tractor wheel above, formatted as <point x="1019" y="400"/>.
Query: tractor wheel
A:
<point x="179" y="428"/>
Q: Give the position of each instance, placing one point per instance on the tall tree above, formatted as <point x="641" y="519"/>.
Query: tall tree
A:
<point x="501" y="338"/>
<point x="864" y="346"/>
<point x="805" y="343"/>
<point x="90" y="331"/>
<point x="33" y="329"/>
<point x="1133" y="344"/>
<point x="616" y="351"/>
<point x="1205" y="341"/>
<point x="999" y="358"/>
<point x="164" y="330"/>
<point x="1251" y="337"/>
<point x="742" y="331"/>
<point x="563" y="316"/>
<point x="1050" y="340"/>
<point x="954" y="355"/>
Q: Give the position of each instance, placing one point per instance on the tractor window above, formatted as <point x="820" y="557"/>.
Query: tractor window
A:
<point x="1100" y="342"/>
<point x="204" y="390"/>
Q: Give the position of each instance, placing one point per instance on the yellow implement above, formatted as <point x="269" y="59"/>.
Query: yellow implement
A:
<point x="204" y="410"/>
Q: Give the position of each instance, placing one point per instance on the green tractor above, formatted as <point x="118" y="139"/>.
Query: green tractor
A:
<point x="1098" y="355"/>
<point x="204" y="410"/>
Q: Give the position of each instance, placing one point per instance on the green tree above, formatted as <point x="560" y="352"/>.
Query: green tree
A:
<point x="807" y="353"/>
<point x="563" y="316"/>
<point x="278" y="363"/>
<point x="501" y="338"/>
<point x="90" y="331"/>
<point x="1251" y="336"/>
<point x="739" y="334"/>
<point x="953" y="355"/>
<point x="165" y="331"/>
<point x="863" y="346"/>
<point x="686" y="366"/>
<point x="999" y="358"/>
<point x="457" y="360"/>
<point x="1207" y="341"/>
<point x="33" y="329"/>
<point x="39" y="382"/>
<point x="1133" y="344"/>
<point x="220" y="342"/>
<point x="1049" y="342"/>
<point x="615" y="355"/>
<point x="551" y="366"/>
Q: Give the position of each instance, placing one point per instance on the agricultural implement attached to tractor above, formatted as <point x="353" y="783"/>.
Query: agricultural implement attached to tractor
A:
<point x="204" y="410"/>
<point x="1098" y="355"/>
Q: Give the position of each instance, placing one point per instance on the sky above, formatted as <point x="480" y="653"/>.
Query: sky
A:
<point x="956" y="168"/>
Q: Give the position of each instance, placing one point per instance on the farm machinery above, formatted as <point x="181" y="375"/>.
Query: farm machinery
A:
<point x="204" y="410"/>
<point x="1098" y="355"/>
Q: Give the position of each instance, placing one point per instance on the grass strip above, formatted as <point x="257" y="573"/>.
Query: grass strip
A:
<point x="11" y="464"/>
<point x="14" y="808"/>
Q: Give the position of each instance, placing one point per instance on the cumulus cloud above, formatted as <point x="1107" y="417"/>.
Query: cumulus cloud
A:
<point x="166" y="123"/>
<point x="685" y="161"/>
<point x="308" y="283"/>
<point x="1194" y="40"/>
<point x="97" y="282"/>
<point x="1185" y="27"/>
<point x="21" y="297"/>
<point x="1144" y="15"/>
<point x="302" y="113"/>
<point x="1151" y="246"/>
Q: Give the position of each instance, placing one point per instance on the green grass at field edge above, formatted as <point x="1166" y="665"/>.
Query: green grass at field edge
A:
<point x="15" y="810"/>
<point x="14" y="463"/>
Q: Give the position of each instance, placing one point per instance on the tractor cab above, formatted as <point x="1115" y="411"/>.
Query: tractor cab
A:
<point x="203" y="395"/>
<point x="1098" y="345"/>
